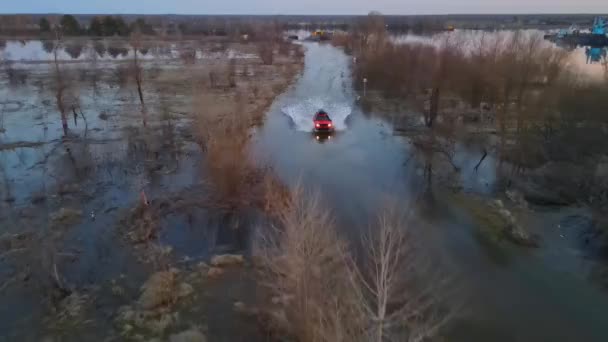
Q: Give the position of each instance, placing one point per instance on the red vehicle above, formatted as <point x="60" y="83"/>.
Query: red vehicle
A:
<point x="322" y="123"/>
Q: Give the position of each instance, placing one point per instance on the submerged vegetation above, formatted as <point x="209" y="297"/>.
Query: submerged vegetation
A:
<point x="549" y="121"/>
<point x="135" y="206"/>
<point x="323" y="291"/>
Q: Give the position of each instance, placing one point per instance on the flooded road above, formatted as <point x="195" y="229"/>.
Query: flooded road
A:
<point x="513" y="294"/>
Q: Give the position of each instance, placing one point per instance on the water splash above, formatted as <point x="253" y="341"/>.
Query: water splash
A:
<point x="302" y="113"/>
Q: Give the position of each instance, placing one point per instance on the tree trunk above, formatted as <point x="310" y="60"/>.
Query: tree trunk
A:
<point x="60" y="90"/>
<point x="434" y="107"/>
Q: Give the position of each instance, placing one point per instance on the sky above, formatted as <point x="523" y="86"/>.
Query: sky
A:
<point x="302" y="6"/>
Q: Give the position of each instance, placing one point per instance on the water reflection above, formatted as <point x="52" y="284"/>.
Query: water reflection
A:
<point x="48" y="46"/>
<point x="74" y="50"/>
<point x="322" y="138"/>
<point x="100" y="48"/>
<point x="79" y="49"/>
<point x="144" y="50"/>
<point x="116" y="51"/>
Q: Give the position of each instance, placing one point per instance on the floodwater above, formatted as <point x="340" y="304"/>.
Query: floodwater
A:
<point x="514" y="294"/>
<point x="511" y="293"/>
<point x="100" y="169"/>
<point x="33" y="51"/>
<point x="590" y="62"/>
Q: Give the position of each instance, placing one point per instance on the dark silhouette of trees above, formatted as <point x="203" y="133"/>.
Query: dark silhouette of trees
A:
<point x="70" y="26"/>
<point x="114" y="26"/>
<point x="141" y="26"/>
<point x="108" y="26"/>
<point x="48" y="46"/>
<point x="45" y="25"/>
<point x="74" y="50"/>
<point x="96" y="27"/>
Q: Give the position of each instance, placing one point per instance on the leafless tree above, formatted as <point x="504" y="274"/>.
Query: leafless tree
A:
<point x="442" y="69"/>
<point x="137" y="71"/>
<point x="388" y="294"/>
<point x="60" y="83"/>
<point x="388" y="282"/>
<point x="267" y="36"/>
<point x="302" y="263"/>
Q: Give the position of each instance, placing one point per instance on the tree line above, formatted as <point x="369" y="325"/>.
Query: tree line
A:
<point x="105" y="26"/>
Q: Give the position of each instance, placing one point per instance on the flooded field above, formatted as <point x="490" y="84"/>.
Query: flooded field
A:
<point x="70" y="202"/>
<point x="545" y="294"/>
<point x="37" y="51"/>
<point x="589" y="61"/>
<point x="71" y="235"/>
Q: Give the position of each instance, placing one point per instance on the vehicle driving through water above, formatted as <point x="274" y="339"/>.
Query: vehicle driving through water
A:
<point x="322" y="123"/>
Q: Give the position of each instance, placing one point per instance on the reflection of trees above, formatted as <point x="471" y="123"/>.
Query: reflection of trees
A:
<point x="100" y="48"/>
<point x="74" y="50"/>
<point x="144" y="50"/>
<point x="48" y="46"/>
<point x="116" y="51"/>
<point x="2" y="44"/>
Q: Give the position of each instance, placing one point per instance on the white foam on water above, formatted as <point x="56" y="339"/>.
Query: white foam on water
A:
<point x="302" y="113"/>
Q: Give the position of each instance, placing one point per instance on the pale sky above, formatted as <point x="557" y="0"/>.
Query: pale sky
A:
<point x="302" y="6"/>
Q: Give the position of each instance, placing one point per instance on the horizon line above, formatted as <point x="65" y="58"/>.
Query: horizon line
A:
<point x="307" y="15"/>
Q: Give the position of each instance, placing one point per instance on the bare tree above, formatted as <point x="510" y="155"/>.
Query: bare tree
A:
<point x="267" y="37"/>
<point x="137" y="71"/>
<point x="399" y="295"/>
<point x="441" y="73"/>
<point x="303" y="264"/>
<point x="60" y="83"/>
<point x="388" y="294"/>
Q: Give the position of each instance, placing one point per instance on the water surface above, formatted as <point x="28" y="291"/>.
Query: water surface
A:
<point x="516" y="294"/>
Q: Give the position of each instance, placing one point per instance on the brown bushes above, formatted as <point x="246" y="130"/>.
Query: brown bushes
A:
<point x="266" y="51"/>
<point x="188" y="56"/>
<point x="303" y="264"/>
<point x="324" y="294"/>
<point x="223" y="133"/>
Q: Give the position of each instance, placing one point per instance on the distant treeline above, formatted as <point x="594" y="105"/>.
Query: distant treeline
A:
<point x="70" y="25"/>
<point x="226" y="25"/>
<point x="99" y="26"/>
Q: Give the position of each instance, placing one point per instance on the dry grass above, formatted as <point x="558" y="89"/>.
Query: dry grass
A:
<point x="323" y="293"/>
<point x="304" y="266"/>
<point x="223" y="128"/>
<point x="224" y="118"/>
<point x="400" y="294"/>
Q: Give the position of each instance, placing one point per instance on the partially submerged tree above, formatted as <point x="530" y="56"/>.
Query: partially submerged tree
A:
<point x="400" y="297"/>
<point x="325" y="294"/>
<point x="137" y="71"/>
<point x="60" y="83"/>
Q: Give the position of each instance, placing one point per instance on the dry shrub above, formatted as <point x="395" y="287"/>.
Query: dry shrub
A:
<point x="223" y="129"/>
<point x="304" y="266"/>
<point x="284" y="48"/>
<point x="188" y="56"/>
<point x="267" y="37"/>
<point x="325" y="294"/>
<point x="266" y="52"/>
<point x="277" y="196"/>
<point x="400" y="296"/>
